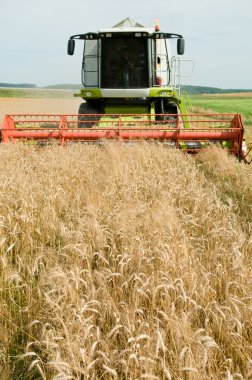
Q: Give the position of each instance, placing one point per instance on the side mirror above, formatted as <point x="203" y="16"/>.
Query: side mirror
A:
<point x="70" y="47"/>
<point x="180" y="46"/>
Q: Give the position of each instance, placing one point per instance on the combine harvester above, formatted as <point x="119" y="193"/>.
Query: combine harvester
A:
<point x="132" y="93"/>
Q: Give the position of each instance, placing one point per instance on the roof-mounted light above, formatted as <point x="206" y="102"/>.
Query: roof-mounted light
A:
<point x="105" y="35"/>
<point x="157" y="28"/>
<point x="91" y="36"/>
<point x="138" y="34"/>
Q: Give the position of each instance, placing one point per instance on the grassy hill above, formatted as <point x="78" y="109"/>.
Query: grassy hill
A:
<point x="18" y="85"/>
<point x="190" y="89"/>
<point x="36" y="93"/>
<point x="197" y="90"/>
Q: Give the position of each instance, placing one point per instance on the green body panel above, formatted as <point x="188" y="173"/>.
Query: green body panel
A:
<point x="126" y="109"/>
<point x="152" y="110"/>
<point x="182" y="106"/>
<point x="89" y="93"/>
<point x="155" y="92"/>
<point x="108" y="120"/>
<point x="140" y="113"/>
<point x="161" y="92"/>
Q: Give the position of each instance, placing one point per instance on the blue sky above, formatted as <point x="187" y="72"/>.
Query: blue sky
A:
<point x="34" y="34"/>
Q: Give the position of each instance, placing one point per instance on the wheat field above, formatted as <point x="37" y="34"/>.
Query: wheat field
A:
<point x="38" y="105"/>
<point x="124" y="262"/>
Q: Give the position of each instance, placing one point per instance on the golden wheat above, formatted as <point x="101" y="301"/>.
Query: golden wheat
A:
<point x="124" y="262"/>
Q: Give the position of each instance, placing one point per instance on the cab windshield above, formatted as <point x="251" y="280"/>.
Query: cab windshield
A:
<point x="124" y="63"/>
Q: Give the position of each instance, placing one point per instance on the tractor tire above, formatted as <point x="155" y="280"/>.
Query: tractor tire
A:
<point x="171" y="112"/>
<point x="93" y="111"/>
<point x="167" y="112"/>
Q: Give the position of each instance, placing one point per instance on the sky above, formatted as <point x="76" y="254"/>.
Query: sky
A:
<point x="34" y="35"/>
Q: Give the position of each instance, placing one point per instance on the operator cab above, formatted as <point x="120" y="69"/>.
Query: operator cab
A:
<point x="126" y="57"/>
<point x="128" y="69"/>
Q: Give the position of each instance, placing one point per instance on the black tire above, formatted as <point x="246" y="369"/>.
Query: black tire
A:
<point x="166" y="111"/>
<point x="94" y="110"/>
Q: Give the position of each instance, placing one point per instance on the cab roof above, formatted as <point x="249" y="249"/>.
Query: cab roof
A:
<point x="127" y="25"/>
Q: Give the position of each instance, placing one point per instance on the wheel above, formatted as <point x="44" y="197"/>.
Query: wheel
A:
<point x="166" y="111"/>
<point x="88" y="115"/>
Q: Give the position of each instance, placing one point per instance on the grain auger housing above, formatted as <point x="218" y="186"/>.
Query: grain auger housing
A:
<point x="131" y="92"/>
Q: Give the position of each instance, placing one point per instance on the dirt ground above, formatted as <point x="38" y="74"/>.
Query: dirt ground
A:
<point x="38" y="105"/>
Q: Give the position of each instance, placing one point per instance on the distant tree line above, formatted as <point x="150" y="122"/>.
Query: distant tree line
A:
<point x="18" y="85"/>
<point x="192" y="90"/>
<point x="64" y="87"/>
<point x="195" y="90"/>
